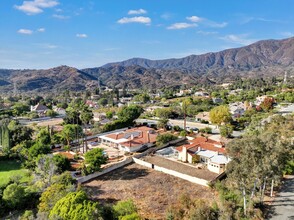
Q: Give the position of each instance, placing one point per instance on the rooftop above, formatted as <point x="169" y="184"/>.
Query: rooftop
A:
<point x="133" y="137"/>
<point x="203" y="143"/>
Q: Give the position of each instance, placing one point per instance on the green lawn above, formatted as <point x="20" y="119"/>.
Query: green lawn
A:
<point x="12" y="168"/>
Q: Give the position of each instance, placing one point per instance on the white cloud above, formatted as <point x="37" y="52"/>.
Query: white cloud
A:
<point x="287" y="34"/>
<point x="81" y="35"/>
<point x="177" y="26"/>
<point x="36" y="6"/>
<point x="139" y="19"/>
<point x="215" y="24"/>
<point x="194" y="18"/>
<point x="58" y="10"/>
<point x="61" y="17"/>
<point x="25" y="31"/>
<point x="238" y="39"/>
<point x="166" y="16"/>
<point x="207" y="32"/>
<point x="41" y="30"/>
<point x="137" y="12"/>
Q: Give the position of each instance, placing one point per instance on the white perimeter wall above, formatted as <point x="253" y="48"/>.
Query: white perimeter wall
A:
<point x="172" y="172"/>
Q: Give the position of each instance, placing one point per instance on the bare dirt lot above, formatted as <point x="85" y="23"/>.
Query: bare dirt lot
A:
<point x="152" y="191"/>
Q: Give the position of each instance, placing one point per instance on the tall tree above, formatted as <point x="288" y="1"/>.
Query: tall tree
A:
<point x="185" y="103"/>
<point x="220" y="114"/>
<point x="69" y="132"/>
<point x="75" y="205"/>
<point x="94" y="159"/>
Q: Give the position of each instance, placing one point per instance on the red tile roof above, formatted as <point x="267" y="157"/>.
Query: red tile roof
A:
<point x="142" y="138"/>
<point x="204" y="143"/>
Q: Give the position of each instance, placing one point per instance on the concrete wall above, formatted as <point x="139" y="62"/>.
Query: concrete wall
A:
<point x="143" y="163"/>
<point x="172" y="172"/>
<point x="104" y="171"/>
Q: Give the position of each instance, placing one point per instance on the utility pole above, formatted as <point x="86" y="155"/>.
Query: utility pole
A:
<point x="285" y="77"/>
<point x="244" y="201"/>
<point x="14" y="89"/>
<point x="272" y="188"/>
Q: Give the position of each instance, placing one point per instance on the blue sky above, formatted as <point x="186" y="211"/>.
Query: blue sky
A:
<point x="82" y="33"/>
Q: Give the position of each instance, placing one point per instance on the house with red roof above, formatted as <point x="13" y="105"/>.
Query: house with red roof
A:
<point x="130" y="140"/>
<point x="206" y="151"/>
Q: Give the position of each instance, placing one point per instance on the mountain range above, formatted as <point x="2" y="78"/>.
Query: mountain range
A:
<point x="261" y="59"/>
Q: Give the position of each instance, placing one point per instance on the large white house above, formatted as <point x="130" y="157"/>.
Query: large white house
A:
<point x="205" y="151"/>
<point x="130" y="140"/>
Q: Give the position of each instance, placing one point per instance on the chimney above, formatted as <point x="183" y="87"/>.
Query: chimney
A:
<point x="199" y="148"/>
<point x="184" y="154"/>
<point x="148" y="136"/>
<point x="132" y="137"/>
<point x="116" y="136"/>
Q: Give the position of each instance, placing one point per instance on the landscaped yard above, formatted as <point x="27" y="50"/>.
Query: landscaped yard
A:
<point x="12" y="168"/>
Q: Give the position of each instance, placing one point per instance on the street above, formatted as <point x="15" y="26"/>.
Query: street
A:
<point x="283" y="205"/>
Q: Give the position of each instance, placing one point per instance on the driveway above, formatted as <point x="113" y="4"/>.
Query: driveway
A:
<point x="283" y="205"/>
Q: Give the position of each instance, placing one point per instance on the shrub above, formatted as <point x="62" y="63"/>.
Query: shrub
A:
<point x="206" y="130"/>
<point x="165" y="138"/>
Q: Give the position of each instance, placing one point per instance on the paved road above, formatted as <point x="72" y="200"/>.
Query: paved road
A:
<point x="283" y="205"/>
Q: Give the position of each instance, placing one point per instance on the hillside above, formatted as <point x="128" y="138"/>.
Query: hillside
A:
<point x="57" y="79"/>
<point x="267" y="52"/>
<point x="262" y="59"/>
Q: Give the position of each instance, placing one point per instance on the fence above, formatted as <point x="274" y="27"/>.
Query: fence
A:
<point x="172" y="172"/>
<point x="137" y="160"/>
<point x="104" y="171"/>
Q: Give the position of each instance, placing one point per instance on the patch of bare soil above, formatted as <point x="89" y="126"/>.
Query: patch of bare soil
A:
<point x="152" y="191"/>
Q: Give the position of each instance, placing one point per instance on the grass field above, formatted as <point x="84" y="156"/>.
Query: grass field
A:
<point x="12" y="168"/>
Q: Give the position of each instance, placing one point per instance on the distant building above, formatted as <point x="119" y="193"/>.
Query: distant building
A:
<point x="59" y="111"/>
<point x="202" y="116"/>
<point x="202" y="94"/>
<point x="184" y="92"/>
<point x="40" y="109"/>
<point x="205" y="151"/>
<point x="125" y="100"/>
<point x="237" y="109"/>
<point x="91" y="104"/>
<point x="99" y="116"/>
<point x="130" y="140"/>
<point x="217" y="100"/>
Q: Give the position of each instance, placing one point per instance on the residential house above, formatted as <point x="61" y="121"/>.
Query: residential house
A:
<point x="217" y="100"/>
<point x="99" y="116"/>
<point x="203" y="116"/>
<point x="202" y="94"/>
<point x="237" y="109"/>
<point x="125" y="100"/>
<point x="40" y="109"/>
<point x="59" y="111"/>
<point x="205" y="151"/>
<point x="156" y="95"/>
<point x="91" y="104"/>
<point x="184" y="92"/>
<point x="260" y="99"/>
<point x="130" y="140"/>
